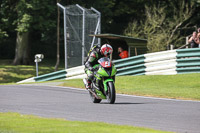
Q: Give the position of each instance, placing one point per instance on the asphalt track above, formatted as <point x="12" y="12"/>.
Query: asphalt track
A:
<point x="74" y="104"/>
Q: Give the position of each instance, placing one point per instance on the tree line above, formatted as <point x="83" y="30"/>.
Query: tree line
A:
<point x="28" y="27"/>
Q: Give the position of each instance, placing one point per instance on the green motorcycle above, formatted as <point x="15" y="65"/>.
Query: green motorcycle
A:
<point x="105" y="76"/>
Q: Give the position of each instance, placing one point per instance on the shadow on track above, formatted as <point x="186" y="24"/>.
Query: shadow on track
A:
<point x="121" y="103"/>
<point x="129" y="103"/>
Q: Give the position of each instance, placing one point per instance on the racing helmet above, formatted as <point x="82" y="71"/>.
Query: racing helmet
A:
<point x="106" y="50"/>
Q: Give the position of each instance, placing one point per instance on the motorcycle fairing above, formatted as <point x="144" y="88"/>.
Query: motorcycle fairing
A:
<point x="105" y="62"/>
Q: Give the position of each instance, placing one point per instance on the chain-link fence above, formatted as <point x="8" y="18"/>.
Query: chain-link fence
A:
<point x="80" y="23"/>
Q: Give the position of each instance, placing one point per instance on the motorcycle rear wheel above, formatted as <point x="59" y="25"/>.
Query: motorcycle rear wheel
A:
<point x="111" y="95"/>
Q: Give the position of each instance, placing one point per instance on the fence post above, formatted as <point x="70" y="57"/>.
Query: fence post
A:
<point x="186" y="41"/>
<point x="171" y="46"/>
<point x="65" y="32"/>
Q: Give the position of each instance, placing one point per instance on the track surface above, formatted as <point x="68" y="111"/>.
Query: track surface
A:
<point x="75" y="104"/>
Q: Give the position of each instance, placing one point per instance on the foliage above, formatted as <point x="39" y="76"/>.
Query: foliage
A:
<point x="3" y="34"/>
<point x="6" y="17"/>
<point x="39" y="18"/>
<point x="35" y="16"/>
<point x="162" y="26"/>
<point x="24" y="19"/>
<point x="34" y="20"/>
<point x="117" y="13"/>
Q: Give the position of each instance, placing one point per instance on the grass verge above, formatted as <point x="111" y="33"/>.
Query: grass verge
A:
<point x="11" y="74"/>
<point x="18" y="123"/>
<point x="183" y="86"/>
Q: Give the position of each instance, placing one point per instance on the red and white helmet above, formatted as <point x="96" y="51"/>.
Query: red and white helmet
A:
<point x="106" y="50"/>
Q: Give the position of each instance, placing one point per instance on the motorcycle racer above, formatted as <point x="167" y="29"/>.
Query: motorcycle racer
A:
<point x="93" y="56"/>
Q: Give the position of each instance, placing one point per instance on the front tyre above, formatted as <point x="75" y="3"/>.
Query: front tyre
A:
<point x="111" y="93"/>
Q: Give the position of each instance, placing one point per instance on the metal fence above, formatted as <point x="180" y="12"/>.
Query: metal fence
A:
<point x="79" y="24"/>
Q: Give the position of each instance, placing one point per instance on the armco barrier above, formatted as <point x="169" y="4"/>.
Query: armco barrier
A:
<point x="192" y="52"/>
<point x="52" y="76"/>
<point x="134" y="60"/>
<point x="147" y="64"/>
<point x="130" y="66"/>
<point x="188" y="60"/>
<point x="160" y="56"/>
<point x="161" y="63"/>
<point x="71" y="73"/>
<point x="75" y="72"/>
<point x="46" y="77"/>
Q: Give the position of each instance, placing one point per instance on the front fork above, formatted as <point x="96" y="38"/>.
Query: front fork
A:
<point x="101" y="94"/>
<point x="98" y="78"/>
<point x="105" y="84"/>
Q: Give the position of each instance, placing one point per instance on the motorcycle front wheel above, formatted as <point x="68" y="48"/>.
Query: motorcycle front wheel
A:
<point x="111" y="93"/>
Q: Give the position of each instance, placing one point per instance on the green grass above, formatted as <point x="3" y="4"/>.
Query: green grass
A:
<point x="18" y="123"/>
<point x="11" y="74"/>
<point x="182" y="86"/>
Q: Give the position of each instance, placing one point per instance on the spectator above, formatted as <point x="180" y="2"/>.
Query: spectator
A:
<point x="198" y="36"/>
<point x="122" y="53"/>
<point x="194" y="41"/>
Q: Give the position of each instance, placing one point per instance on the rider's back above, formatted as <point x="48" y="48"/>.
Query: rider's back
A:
<point x="93" y="56"/>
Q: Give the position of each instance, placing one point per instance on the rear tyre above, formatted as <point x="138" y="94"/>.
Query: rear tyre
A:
<point x="111" y="93"/>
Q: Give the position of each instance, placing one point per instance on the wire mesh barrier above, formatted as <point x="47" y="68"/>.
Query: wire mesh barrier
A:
<point x="79" y="23"/>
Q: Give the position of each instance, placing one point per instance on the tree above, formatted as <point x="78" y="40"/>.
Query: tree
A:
<point x="161" y="26"/>
<point x="5" y="15"/>
<point x="3" y="34"/>
<point x="37" y="19"/>
<point x="33" y="16"/>
<point x="115" y="14"/>
<point x="31" y="25"/>
<point x="22" y="41"/>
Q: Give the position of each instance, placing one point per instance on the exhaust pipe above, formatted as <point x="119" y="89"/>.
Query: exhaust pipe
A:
<point x="84" y="81"/>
